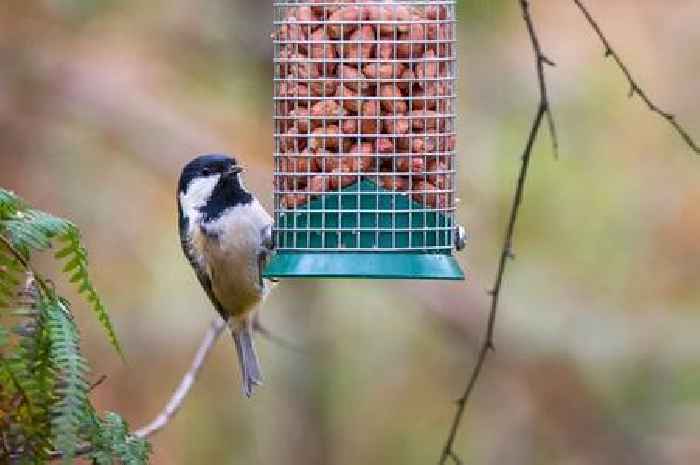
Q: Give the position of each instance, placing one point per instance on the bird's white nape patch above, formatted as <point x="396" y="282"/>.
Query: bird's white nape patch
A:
<point x="197" y="194"/>
<point x="240" y="182"/>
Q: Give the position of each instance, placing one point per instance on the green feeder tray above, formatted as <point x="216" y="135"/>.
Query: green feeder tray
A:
<point x="364" y="231"/>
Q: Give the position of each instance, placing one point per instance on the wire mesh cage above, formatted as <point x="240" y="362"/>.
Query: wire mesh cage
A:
<point x="364" y="137"/>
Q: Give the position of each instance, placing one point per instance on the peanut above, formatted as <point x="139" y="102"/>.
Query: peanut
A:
<point x="427" y="69"/>
<point x="347" y="14"/>
<point x="350" y="104"/>
<point x="325" y="138"/>
<point x="393" y="12"/>
<point x="360" y="45"/>
<point x="321" y="49"/>
<point x="370" y="112"/>
<point x="394" y="183"/>
<point x="391" y="102"/>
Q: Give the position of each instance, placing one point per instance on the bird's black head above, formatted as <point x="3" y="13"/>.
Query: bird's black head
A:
<point x="205" y="166"/>
<point x="211" y="184"/>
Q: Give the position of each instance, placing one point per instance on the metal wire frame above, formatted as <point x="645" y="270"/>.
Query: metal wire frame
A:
<point x="326" y="139"/>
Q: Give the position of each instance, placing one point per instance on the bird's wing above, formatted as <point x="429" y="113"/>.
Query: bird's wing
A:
<point x="267" y="245"/>
<point x="202" y="270"/>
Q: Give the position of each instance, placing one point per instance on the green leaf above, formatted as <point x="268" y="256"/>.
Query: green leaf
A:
<point x="9" y="204"/>
<point x="72" y="264"/>
<point x="77" y="266"/>
<point x="71" y="368"/>
<point x="113" y="440"/>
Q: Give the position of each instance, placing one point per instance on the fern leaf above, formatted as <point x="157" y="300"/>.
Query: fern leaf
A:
<point x="33" y="230"/>
<point x="9" y="204"/>
<point x="71" y="369"/>
<point x="9" y="271"/>
<point x="77" y="267"/>
<point x="113" y="440"/>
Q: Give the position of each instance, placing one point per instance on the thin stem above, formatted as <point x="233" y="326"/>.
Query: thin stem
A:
<point x="25" y="263"/>
<point x="188" y="380"/>
<point x="179" y="395"/>
<point x="543" y="110"/>
<point x="635" y="89"/>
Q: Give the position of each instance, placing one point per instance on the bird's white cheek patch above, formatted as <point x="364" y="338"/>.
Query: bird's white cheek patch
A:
<point x="197" y="194"/>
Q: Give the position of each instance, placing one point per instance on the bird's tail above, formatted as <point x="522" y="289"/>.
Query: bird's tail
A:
<point x="247" y="358"/>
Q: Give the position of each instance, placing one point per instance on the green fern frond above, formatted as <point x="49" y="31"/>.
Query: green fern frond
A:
<point x="71" y="369"/>
<point x="30" y="389"/>
<point x="10" y="271"/>
<point x="112" y="440"/>
<point x="77" y="267"/>
<point x="9" y="204"/>
<point x="33" y="230"/>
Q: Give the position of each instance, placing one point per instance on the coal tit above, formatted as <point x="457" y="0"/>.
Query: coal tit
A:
<point x="227" y="237"/>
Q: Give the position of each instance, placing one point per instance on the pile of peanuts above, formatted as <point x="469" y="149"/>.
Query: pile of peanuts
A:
<point x="364" y="88"/>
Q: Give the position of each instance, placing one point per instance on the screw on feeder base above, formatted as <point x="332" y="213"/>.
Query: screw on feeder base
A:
<point x="460" y="237"/>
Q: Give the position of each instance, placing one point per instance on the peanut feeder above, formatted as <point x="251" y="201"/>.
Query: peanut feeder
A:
<point x="364" y="121"/>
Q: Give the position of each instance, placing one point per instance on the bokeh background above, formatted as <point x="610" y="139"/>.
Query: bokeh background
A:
<point x="598" y="354"/>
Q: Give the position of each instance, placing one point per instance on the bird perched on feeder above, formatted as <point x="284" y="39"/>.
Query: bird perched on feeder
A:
<point x="227" y="237"/>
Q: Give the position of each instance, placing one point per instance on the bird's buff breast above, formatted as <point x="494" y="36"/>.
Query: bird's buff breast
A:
<point x="229" y="250"/>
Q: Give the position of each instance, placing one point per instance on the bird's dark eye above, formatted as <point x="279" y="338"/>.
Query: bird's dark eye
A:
<point x="206" y="171"/>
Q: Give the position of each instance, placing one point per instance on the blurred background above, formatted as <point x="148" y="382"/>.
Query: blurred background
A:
<point x="598" y="358"/>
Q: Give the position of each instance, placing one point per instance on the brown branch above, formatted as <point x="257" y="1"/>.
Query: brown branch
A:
<point x="178" y="397"/>
<point x="635" y="89"/>
<point x="543" y="110"/>
<point x="25" y="263"/>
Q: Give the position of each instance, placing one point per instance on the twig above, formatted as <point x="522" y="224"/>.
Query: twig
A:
<point x="273" y="337"/>
<point x="99" y="381"/>
<point x="178" y="397"/>
<point x="634" y="86"/>
<point x="25" y="263"/>
<point x="543" y="109"/>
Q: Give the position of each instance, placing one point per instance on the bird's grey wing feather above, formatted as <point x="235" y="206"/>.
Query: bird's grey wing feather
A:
<point x="204" y="279"/>
<point x="267" y="245"/>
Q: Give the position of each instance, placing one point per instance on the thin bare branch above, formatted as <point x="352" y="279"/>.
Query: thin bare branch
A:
<point x="178" y="397"/>
<point x="273" y="337"/>
<point x="635" y="89"/>
<point x="99" y="381"/>
<point x="25" y="263"/>
<point x="180" y="394"/>
<point x="448" y="452"/>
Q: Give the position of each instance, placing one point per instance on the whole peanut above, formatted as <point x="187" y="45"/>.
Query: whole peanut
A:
<point x="360" y="45"/>
<point x="352" y="78"/>
<point x="325" y="138"/>
<point x="394" y="183"/>
<point x="350" y="104"/>
<point x="347" y="14"/>
<point x="323" y="49"/>
<point x="427" y="69"/>
<point x="396" y="126"/>
<point x="386" y="14"/>
<point x="369" y="112"/>
<point x="392" y="100"/>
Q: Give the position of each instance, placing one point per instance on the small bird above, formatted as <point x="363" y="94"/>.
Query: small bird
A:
<point x="226" y="236"/>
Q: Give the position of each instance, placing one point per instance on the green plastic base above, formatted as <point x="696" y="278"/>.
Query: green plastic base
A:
<point x="366" y="217"/>
<point x="366" y="265"/>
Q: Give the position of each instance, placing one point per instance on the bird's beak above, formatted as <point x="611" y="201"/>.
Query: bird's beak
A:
<point x="235" y="170"/>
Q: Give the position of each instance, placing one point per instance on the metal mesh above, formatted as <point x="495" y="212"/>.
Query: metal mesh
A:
<point x="364" y="108"/>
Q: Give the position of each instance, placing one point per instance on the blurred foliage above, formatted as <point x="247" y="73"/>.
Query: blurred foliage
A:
<point x="596" y="339"/>
<point x="44" y="384"/>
